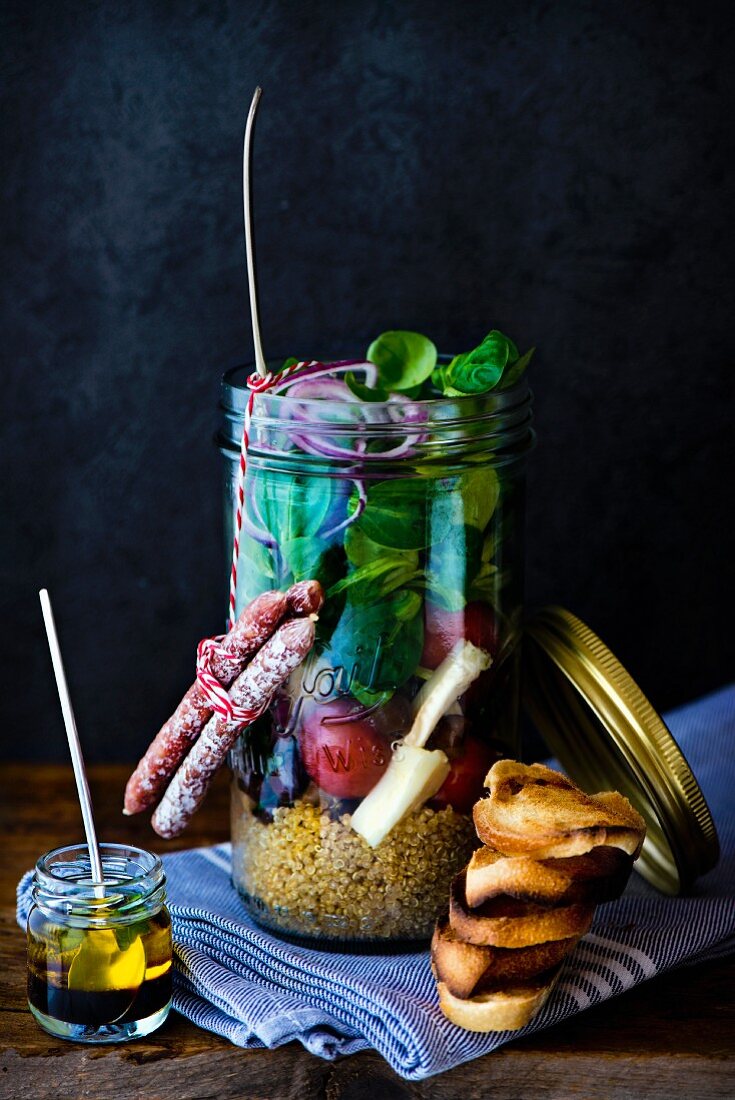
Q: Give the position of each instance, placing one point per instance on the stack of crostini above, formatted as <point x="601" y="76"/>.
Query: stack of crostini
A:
<point x="551" y="853"/>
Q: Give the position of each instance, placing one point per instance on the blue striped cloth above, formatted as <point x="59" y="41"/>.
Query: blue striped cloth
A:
<point x="238" y="981"/>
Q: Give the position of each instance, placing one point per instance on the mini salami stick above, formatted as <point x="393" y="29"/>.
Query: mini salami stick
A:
<point x="253" y="691"/>
<point x="305" y="598"/>
<point x="254" y="626"/>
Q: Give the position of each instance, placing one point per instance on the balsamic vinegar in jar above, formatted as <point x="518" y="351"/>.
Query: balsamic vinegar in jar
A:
<point x="127" y="975"/>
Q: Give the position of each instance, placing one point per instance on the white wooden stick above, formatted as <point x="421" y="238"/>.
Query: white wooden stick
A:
<point x="247" y="199"/>
<point x="75" y="748"/>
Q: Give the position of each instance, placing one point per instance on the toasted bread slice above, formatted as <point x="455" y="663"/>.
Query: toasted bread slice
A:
<point x="507" y="922"/>
<point x="599" y="875"/>
<point x="467" y="969"/>
<point x="534" y="811"/>
<point x="502" y="1009"/>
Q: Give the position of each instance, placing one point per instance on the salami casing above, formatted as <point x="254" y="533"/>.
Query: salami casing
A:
<point x="254" y="626"/>
<point x="253" y="690"/>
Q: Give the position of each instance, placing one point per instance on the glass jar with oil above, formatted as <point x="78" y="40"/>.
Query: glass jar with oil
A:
<point x="99" y="957"/>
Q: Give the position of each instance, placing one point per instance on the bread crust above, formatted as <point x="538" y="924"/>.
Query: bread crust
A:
<point x="524" y="901"/>
<point x="535" y="811"/>
<point x="507" y="922"/>
<point x="467" y="969"/>
<point x="501" y="1010"/>
<point x="598" y="875"/>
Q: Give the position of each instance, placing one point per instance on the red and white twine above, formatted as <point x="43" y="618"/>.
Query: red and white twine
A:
<point x="256" y="384"/>
<point x="211" y="687"/>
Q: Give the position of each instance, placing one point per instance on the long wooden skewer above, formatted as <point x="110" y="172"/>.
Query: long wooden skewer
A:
<point x="75" y="748"/>
<point x="247" y="198"/>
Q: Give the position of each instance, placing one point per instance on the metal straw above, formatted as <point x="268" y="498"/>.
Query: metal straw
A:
<point x="75" y="748"/>
<point x="247" y="200"/>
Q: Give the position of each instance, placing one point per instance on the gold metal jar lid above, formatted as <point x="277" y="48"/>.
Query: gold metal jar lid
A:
<point x="605" y="733"/>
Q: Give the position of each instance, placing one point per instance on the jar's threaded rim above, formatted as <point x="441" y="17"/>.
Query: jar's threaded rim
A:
<point x="376" y="438"/>
<point x="49" y="866"/>
<point x="235" y="393"/>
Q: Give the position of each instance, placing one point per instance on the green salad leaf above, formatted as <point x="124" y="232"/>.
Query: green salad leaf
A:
<point x="439" y="380"/>
<point x="256" y="571"/>
<point x="303" y="557"/>
<point x="292" y="505"/>
<point x="407" y="364"/>
<point x="376" y="579"/>
<point x="379" y="645"/>
<point x="486" y="584"/>
<point x="513" y="371"/>
<point x="295" y="510"/>
<point x="451" y="566"/>
<point x="404" y="360"/>
<point x="367" y="393"/>
<point x="373" y="571"/>
<point x="479" y="488"/>
<point x="361" y="550"/>
<point x="470" y="497"/>
<point x="485" y="367"/>
<point x="395" y="514"/>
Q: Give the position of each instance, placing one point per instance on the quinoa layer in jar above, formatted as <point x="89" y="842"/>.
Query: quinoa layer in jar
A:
<point x="352" y="795"/>
<point x="307" y="873"/>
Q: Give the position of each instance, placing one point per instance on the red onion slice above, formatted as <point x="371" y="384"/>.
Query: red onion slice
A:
<point x="339" y="366"/>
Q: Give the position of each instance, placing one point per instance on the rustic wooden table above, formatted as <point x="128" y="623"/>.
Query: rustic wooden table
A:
<point x="671" y="1035"/>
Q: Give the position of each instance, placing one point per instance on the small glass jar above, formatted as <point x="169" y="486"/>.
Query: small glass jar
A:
<point x="99" y="958"/>
<point x="410" y="514"/>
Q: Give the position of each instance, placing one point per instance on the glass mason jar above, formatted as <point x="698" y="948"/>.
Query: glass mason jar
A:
<point x="347" y="823"/>
<point x="99" y="959"/>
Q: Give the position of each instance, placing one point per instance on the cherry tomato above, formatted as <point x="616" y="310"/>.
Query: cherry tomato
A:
<point x="443" y="629"/>
<point x="346" y="747"/>
<point x="464" y="784"/>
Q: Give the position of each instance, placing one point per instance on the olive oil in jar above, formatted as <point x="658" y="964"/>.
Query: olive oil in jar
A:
<point x="99" y="960"/>
<point x="125" y="973"/>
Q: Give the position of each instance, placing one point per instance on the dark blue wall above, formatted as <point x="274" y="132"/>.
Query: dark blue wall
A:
<point x="559" y="171"/>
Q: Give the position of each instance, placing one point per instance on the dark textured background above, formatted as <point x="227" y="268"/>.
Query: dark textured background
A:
<point x="559" y="171"/>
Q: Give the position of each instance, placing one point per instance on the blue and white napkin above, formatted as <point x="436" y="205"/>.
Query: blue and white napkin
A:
<point x="243" y="983"/>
